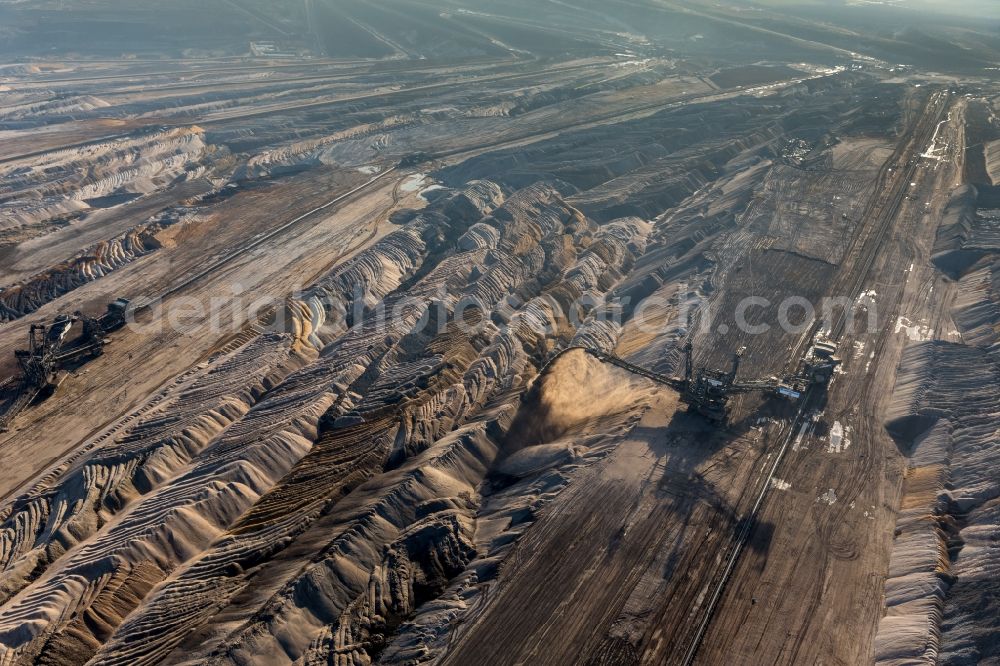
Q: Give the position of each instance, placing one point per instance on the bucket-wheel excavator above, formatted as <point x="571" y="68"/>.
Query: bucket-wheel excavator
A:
<point x="51" y="352"/>
<point x="707" y="391"/>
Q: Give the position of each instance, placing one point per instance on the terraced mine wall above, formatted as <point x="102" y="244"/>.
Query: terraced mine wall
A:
<point x="944" y="413"/>
<point x="62" y="183"/>
<point x="94" y="263"/>
<point x="325" y="477"/>
<point x="970" y="230"/>
<point x="652" y="164"/>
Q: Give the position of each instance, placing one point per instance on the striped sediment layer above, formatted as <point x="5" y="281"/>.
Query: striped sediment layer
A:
<point x="92" y="264"/>
<point x="301" y="496"/>
<point x="944" y="567"/>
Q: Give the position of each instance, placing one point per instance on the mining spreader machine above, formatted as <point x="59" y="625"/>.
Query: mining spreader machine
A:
<point x="707" y="391"/>
<point x="51" y="353"/>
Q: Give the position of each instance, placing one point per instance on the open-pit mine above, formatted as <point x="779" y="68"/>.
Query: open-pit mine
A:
<point x="410" y="332"/>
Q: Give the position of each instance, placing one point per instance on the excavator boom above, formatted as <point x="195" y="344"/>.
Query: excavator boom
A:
<point x="707" y="391"/>
<point x="50" y="352"/>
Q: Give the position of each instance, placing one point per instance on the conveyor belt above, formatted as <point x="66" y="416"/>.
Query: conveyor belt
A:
<point x="672" y="382"/>
<point x="23" y="397"/>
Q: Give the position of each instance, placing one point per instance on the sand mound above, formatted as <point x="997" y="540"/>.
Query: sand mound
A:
<point x="576" y="391"/>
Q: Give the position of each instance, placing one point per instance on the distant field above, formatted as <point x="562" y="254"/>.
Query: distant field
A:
<point x="752" y="75"/>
